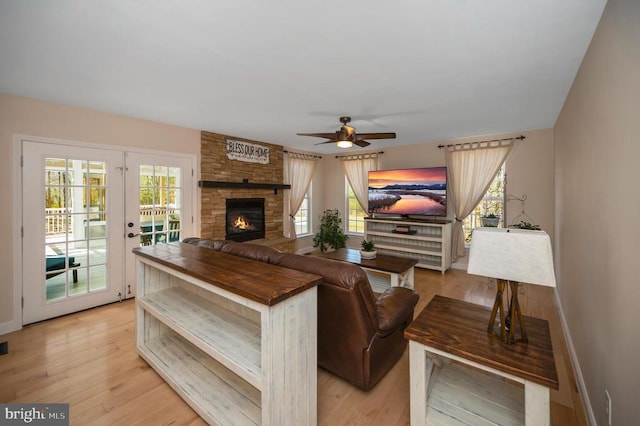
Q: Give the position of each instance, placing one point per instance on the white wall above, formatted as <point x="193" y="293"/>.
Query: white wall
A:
<point x="530" y="172"/>
<point x="597" y="147"/>
<point x="24" y="116"/>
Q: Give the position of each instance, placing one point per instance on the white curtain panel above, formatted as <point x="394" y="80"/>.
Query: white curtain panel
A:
<point x="298" y="171"/>
<point x="357" y="171"/>
<point x="471" y="169"/>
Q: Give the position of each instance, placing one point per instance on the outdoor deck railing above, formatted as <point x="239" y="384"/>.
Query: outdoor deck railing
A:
<point x="57" y="220"/>
<point x="148" y="210"/>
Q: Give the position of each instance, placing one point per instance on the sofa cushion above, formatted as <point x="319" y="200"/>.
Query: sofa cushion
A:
<point x="192" y="240"/>
<point x="216" y="245"/>
<point x="252" y="251"/>
<point x="334" y="272"/>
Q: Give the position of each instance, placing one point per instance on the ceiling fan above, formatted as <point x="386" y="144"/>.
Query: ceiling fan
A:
<point x="347" y="136"/>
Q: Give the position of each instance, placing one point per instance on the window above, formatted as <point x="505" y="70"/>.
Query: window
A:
<point x="302" y="221"/>
<point x="493" y="202"/>
<point x="355" y="214"/>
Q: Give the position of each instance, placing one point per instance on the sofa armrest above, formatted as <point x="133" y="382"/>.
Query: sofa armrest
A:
<point x="394" y="306"/>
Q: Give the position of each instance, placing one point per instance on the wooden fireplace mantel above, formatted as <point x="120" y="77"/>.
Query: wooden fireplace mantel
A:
<point x="245" y="184"/>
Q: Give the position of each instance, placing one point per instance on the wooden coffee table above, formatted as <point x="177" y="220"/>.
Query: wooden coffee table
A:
<point x="464" y="373"/>
<point x="383" y="271"/>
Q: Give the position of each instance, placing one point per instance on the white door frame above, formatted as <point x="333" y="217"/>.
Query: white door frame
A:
<point x="16" y="322"/>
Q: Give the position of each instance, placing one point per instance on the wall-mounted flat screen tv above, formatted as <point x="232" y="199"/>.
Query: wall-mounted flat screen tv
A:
<point x="409" y="192"/>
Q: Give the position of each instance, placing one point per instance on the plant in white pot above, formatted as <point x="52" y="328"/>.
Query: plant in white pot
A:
<point x="368" y="250"/>
<point x="490" y="220"/>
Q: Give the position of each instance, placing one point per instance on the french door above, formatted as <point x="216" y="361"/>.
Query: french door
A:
<point x="84" y="210"/>
<point x="159" y="204"/>
<point x="72" y="229"/>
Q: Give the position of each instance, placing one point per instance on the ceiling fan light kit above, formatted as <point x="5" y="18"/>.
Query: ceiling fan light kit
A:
<point x="346" y="137"/>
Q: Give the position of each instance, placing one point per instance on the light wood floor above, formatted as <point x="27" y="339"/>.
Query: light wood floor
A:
<point x="88" y="360"/>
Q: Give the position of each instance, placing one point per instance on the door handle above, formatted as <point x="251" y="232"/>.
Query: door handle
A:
<point x="131" y="235"/>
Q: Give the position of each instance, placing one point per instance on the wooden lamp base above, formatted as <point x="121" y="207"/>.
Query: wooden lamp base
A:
<point x="513" y="315"/>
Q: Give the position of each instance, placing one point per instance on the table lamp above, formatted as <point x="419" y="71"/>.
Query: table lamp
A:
<point x="513" y="256"/>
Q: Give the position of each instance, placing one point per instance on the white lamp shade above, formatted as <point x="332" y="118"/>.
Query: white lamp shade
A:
<point x="512" y="254"/>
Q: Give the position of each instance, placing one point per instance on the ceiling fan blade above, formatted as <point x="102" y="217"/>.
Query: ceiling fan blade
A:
<point x="319" y="135"/>
<point x="362" y="136"/>
<point x="320" y="143"/>
<point x="361" y="143"/>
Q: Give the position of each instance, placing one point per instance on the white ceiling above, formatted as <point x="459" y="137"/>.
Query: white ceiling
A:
<point x="265" y="70"/>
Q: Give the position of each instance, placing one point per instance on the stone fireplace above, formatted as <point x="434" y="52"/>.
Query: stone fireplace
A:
<point x="216" y="166"/>
<point x="244" y="219"/>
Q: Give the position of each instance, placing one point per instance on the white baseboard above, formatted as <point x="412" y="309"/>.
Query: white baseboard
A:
<point x="574" y="362"/>
<point x="9" y="327"/>
<point x="459" y="265"/>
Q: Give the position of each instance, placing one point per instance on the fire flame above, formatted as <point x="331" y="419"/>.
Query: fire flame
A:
<point x="242" y="223"/>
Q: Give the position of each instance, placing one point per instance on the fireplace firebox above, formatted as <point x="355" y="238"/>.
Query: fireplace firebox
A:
<point x="245" y="219"/>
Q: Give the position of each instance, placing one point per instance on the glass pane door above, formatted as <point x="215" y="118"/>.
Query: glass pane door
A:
<point x="72" y="221"/>
<point x="159" y="204"/>
<point x="75" y="220"/>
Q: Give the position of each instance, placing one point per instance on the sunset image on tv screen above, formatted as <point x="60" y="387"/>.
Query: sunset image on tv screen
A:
<point x="409" y="191"/>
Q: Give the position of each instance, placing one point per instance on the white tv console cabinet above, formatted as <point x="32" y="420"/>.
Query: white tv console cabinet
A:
<point x="234" y="337"/>
<point x="429" y="242"/>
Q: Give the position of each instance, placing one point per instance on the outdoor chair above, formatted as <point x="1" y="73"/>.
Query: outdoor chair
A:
<point x="56" y="265"/>
<point x="174" y="230"/>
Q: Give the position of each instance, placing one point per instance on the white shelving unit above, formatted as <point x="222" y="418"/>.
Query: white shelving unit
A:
<point x="460" y="395"/>
<point x="210" y="345"/>
<point x="429" y="241"/>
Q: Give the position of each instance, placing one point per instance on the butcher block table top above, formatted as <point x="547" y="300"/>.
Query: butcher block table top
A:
<point x="460" y="328"/>
<point x="258" y="281"/>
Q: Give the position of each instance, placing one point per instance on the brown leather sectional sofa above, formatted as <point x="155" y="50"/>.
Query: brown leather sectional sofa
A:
<point x="360" y="334"/>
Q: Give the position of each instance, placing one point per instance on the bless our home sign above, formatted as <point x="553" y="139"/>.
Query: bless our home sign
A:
<point x="244" y="151"/>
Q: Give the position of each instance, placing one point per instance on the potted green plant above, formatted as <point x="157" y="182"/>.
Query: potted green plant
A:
<point x="368" y="250"/>
<point x="526" y="225"/>
<point x="490" y="220"/>
<point x="330" y="233"/>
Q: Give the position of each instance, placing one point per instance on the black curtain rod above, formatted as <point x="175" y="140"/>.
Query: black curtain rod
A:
<point x="355" y="155"/>
<point x="300" y="153"/>
<point x="521" y="137"/>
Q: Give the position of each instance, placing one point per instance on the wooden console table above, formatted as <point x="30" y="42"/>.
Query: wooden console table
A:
<point x="234" y="337"/>
<point x="448" y="337"/>
<point x="399" y="269"/>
